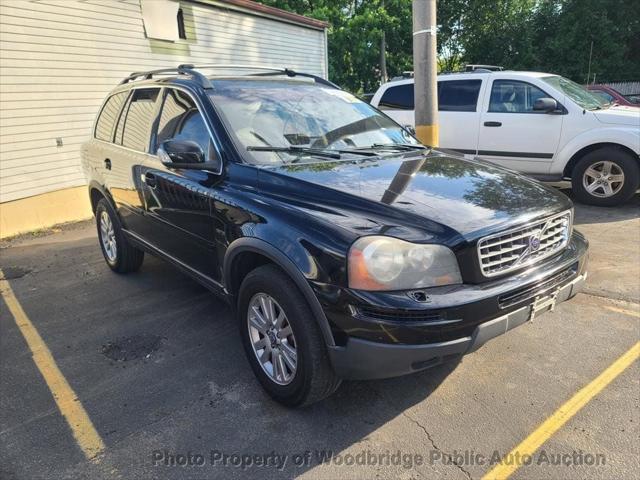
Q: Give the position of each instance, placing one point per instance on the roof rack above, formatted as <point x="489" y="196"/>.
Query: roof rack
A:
<point x="180" y="70"/>
<point x="484" y="68"/>
<point x="187" y="69"/>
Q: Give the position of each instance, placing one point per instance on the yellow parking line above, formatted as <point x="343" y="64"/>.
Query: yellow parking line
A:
<point x="74" y="413"/>
<point x="562" y="415"/>
<point x="623" y="311"/>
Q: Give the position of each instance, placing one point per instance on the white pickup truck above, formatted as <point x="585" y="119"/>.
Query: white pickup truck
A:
<point x="536" y="123"/>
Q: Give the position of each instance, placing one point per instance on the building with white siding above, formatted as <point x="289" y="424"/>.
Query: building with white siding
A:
<point x="60" y="58"/>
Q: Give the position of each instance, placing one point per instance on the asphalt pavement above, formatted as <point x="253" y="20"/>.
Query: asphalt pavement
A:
<point x="156" y="362"/>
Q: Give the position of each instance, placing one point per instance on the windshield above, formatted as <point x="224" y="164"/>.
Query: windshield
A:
<point x="576" y="92"/>
<point x="299" y="119"/>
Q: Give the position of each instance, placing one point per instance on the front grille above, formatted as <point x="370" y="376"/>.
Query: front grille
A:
<point x="519" y="247"/>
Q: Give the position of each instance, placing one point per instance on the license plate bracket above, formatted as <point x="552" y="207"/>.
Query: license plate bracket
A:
<point x="543" y="304"/>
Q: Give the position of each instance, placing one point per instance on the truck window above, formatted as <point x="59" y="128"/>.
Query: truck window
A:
<point x="512" y="96"/>
<point x="399" y="97"/>
<point x="458" y="95"/>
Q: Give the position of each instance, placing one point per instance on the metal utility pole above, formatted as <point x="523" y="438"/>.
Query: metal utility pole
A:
<point x="425" y="71"/>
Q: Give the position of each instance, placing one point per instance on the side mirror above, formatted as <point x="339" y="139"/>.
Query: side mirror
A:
<point x="546" y="105"/>
<point x="410" y="128"/>
<point x="185" y="154"/>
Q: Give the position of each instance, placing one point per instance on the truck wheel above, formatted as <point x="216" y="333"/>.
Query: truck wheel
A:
<point x="281" y="339"/>
<point x="605" y="177"/>
<point x="120" y="255"/>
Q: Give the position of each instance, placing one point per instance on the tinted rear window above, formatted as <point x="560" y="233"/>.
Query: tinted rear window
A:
<point x="137" y="127"/>
<point x="399" y="97"/>
<point x="453" y="96"/>
<point x="458" y="95"/>
<point x="108" y="116"/>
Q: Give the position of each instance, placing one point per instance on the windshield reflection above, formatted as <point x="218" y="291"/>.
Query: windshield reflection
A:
<point x="291" y="113"/>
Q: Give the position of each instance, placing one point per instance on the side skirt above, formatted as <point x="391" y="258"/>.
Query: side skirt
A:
<point x="207" y="282"/>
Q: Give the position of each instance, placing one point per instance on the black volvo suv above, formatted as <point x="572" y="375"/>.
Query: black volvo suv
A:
<point x="346" y="248"/>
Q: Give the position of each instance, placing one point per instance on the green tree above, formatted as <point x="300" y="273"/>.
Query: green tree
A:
<point x="547" y="35"/>
<point x="563" y="30"/>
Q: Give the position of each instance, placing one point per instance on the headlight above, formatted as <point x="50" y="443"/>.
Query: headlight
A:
<point x="386" y="263"/>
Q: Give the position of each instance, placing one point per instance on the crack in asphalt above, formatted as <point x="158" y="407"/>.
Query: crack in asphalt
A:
<point x="435" y="447"/>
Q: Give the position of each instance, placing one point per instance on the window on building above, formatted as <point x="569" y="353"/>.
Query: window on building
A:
<point x="108" y="116"/>
<point x="458" y="95"/>
<point x="137" y="126"/>
<point x="512" y="96"/>
<point x="181" y="31"/>
<point x="399" y="97"/>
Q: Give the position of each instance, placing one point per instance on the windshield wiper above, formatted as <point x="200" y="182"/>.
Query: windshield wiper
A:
<point x="393" y="146"/>
<point x="295" y="149"/>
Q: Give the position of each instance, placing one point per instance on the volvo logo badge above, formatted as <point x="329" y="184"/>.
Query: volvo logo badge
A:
<point x="534" y="242"/>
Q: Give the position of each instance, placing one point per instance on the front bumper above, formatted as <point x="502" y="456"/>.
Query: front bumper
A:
<point x="381" y="348"/>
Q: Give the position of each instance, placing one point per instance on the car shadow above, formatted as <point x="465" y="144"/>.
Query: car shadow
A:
<point x="222" y="408"/>
<point x="157" y="362"/>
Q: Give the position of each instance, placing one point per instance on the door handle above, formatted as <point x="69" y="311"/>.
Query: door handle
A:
<point x="150" y="180"/>
<point x="492" y="124"/>
<point x="107" y="164"/>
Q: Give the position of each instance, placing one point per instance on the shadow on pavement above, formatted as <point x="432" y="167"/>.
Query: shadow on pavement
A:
<point x="157" y="362"/>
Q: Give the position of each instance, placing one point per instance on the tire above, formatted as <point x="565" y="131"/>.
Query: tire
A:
<point x="124" y="258"/>
<point x="313" y="378"/>
<point x="592" y="168"/>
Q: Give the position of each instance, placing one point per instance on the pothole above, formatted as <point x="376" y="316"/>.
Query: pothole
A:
<point x="13" y="272"/>
<point x="132" y="348"/>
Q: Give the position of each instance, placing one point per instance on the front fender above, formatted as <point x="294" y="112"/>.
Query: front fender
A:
<point x="295" y="272"/>
<point x="627" y="137"/>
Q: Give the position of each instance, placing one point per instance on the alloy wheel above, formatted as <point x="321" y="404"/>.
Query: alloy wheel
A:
<point x="108" y="237"/>
<point x="272" y="338"/>
<point x="603" y="179"/>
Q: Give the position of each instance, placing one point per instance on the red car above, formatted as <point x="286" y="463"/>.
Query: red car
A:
<point x="611" y="95"/>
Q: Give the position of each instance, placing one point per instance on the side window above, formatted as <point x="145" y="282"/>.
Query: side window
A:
<point x="399" y="97"/>
<point x="137" y="126"/>
<point x="193" y="128"/>
<point x="512" y="96"/>
<point x="108" y="116"/>
<point x="458" y="95"/>
<point x="180" y="119"/>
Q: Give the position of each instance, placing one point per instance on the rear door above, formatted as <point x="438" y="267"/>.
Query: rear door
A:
<point x="459" y="114"/>
<point x="397" y="102"/>
<point x="127" y="154"/>
<point x="512" y="133"/>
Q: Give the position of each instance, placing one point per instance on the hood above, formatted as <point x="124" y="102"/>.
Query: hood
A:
<point x="619" y="116"/>
<point x="469" y="197"/>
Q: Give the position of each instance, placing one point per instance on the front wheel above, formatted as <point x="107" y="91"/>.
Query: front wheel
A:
<point x="282" y="340"/>
<point x="605" y="177"/>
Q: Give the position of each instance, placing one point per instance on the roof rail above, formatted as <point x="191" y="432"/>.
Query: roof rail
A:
<point x="187" y="69"/>
<point x="268" y="71"/>
<point x="184" y="69"/>
<point x="485" y="68"/>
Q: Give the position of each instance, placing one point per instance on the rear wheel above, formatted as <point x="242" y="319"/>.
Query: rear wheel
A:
<point x="120" y="255"/>
<point x="282" y="340"/>
<point x="605" y="177"/>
